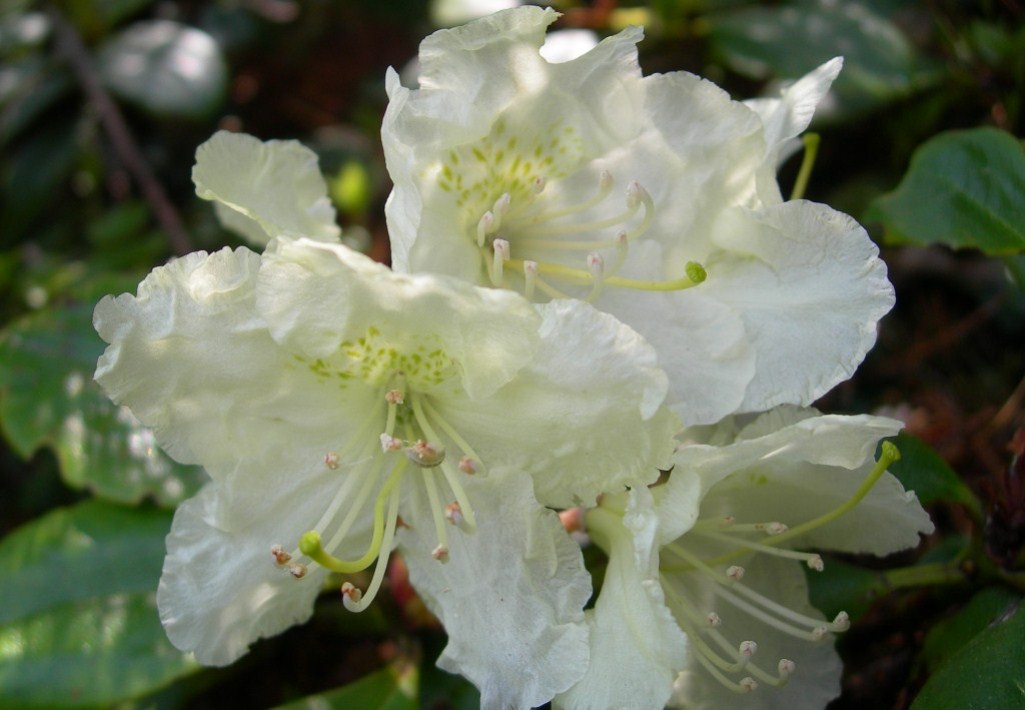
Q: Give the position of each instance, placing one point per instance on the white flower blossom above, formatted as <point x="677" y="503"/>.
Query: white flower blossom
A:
<point x="705" y="599"/>
<point x="328" y="396"/>
<point x="585" y="178"/>
<point x="263" y="190"/>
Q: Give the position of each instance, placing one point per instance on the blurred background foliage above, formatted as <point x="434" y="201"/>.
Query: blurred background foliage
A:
<point x="102" y="104"/>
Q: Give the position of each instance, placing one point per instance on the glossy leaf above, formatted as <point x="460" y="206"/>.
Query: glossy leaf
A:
<point x="79" y="624"/>
<point x="988" y="672"/>
<point x="48" y="398"/>
<point x="949" y="635"/>
<point x="391" y="688"/>
<point x="923" y="471"/>
<point x="963" y="189"/>
<point x="791" y="39"/>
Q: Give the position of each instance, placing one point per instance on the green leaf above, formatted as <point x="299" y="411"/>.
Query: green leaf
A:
<point x="963" y="189"/>
<point x="79" y="624"/>
<point x="791" y="39"/>
<point x="48" y="397"/>
<point x="843" y="587"/>
<point x="165" y="67"/>
<point x="950" y="635"/>
<point x="988" y="672"/>
<point x="923" y="471"/>
<point x="392" y="688"/>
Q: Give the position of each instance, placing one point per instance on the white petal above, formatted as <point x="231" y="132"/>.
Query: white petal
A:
<point x="263" y="190"/>
<point x="816" y="679"/>
<point x="583" y="417"/>
<point x="701" y="342"/>
<point x="220" y="590"/>
<point x="511" y="595"/>
<point x="637" y="648"/>
<point x="804" y="471"/>
<point x="810" y="287"/>
<point x="317" y="296"/>
<point x="787" y="117"/>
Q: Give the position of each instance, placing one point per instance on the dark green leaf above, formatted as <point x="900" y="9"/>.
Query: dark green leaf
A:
<point x="963" y="189"/>
<point x="391" y="688"/>
<point x="48" y="397"/>
<point x="950" y="635"/>
<point x="988" y="672"/>
<point x="923" y="471"/>
<point x="787" y="41"/>
<point x="165" y="67"/>
<point x="843" y="587"/>
<point x="79" y="624"/>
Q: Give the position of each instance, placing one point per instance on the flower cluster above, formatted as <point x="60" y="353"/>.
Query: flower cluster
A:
<point x="585" y="260"/>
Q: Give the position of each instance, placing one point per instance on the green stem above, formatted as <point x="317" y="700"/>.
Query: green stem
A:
<point x="811" y="150"/>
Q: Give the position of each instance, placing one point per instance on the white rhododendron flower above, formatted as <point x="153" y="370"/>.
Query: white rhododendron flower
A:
<point x="326" y="396"/>
<point x="585" y="178"/>
<point x="705" y="597"/>
<point x="263" y="190"/>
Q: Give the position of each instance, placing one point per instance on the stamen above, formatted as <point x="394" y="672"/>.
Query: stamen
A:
<point x="389" y="444"/>
<point x="749" y="685"/>
<point x="596" y="265"/>
<point x="331" y="460"/>
<point x="297" y="570"/>
<point x="350" y="595"/>
<point x="735" y="572"/>
<point x="440" y="553"/>
<point x="529" y="279"/>
<point x="539" y="184"/>
<point x="813" y="560"/>
<point x="501" y="255"/>
<point x="747" y="648"/>
<point x="500" y="207"/>
<point x="454" y="514"/>
<point x="485" y="226"/>
<point x="280" y="556"/>
<point x="605" y="183"/>
<point x="437" y="512"/>
<point x="425" y="454"/>
<point x="468" y="466"/>
<point x="786" y="668"/>
<point x="394" y="397"/>
<point x="451" y="475"/>
<point x="713" y="619"/>
<point x="426" y="407"/>
<point x="696" y="274"/>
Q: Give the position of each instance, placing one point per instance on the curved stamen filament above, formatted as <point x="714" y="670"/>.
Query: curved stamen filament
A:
<point x="437" y="509"/>
<point x="605" y="183"/>
<point x="726" y="586"/>
<point x="695" y="275"/>
<point x="553" y="230"/>
<point x="636" y="196"/>
<point x="698" y="626"/>
<point x="460" y="442"/>
<point x="310" y="543"/>
<point x="451" y="474"/>
<point x="382" y="560"/>
<point x="811" y="559"/>
<point x="888" y="455"/>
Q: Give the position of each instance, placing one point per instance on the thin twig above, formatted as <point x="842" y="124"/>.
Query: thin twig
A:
<point x="70" y="46"/>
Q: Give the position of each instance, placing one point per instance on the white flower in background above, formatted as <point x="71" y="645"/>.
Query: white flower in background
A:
<point x="326" y="396"/>
<point x="705" y="599"/>
<point x="263" y="190"/>
<point x="585" y="178"/>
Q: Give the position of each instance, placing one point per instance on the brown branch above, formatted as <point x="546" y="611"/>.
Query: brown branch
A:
<point x="70" y="46"/>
